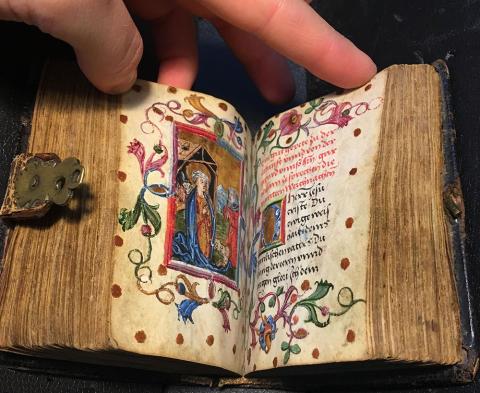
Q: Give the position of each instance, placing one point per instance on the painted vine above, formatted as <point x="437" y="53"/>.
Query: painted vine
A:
<point x="263" y="326"/>
<point x="145" y="217"/>
<point x="282" y="305"/>
<point x="320" y="112"/>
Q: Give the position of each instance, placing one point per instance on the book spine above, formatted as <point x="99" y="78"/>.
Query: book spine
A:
<point x="466" y="370"/>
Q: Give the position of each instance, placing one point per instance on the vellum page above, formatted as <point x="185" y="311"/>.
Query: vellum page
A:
<point x="309" y="251"/>
<point x="178" y="274"/>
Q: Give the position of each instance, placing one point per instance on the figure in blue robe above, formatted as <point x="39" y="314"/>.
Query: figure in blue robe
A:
<point x="196" y="246"/>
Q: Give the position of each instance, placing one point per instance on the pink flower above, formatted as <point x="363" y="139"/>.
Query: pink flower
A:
<point x="136" y="148"/>
<point x="290" y="122"/>
<point x="157" y="159"/>
<point x="146" y="230"/>
<point x="339" y="114"/>
<point x="226" y="320"/>
<point x="324" y="310"/>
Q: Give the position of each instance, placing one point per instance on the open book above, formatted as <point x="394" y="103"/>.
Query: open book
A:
<point x="193" y="248"/>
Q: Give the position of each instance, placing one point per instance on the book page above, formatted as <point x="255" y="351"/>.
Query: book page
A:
<point x="310" y="224"/>
<point x="178" y="275"/>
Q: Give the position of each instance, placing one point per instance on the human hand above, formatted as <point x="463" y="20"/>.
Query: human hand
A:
<point x="108" y="46"/>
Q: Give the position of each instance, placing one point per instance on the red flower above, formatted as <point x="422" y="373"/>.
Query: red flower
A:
<point x="146" y="230"/>
<point x="290" y="122"/>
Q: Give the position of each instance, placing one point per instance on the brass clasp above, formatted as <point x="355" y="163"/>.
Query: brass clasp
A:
<point x="452" y="199"/>
<point x="38" y="181"/>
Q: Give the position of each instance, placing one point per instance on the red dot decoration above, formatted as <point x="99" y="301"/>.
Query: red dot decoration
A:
<point x="118" y="241"/>
<point x="345" y="263"/>
<point x="349" y="222"/>
<point x="122" y="176"/>
<point x="140" y="336"/>
<point x="210" y="340"/>
<point x="116" y="291"/>
<point x="350" y="336"/>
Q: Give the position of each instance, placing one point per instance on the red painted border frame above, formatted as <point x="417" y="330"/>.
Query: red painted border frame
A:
<point x="171" y="208"/>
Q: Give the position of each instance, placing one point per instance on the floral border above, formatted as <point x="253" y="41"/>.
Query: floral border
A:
<point x="263" y="328"/>
<point x="227" y="133"/>
<point x="285" y="304"/>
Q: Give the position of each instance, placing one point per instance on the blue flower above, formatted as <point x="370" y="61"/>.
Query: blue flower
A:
<point x="181" y="288"/>
<point x="266" y="333"/>
<point x="237" y="126"/>
<point x="185" y="309"/>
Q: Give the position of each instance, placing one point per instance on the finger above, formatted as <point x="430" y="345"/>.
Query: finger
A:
<point x="174" y="33"/>
<point x="176" y="47"/>
<point x="294" y="29"/>
<point x="107" y="44"/>
<point x="267" y="68"/>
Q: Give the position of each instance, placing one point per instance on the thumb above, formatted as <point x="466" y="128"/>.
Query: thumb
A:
<point x="106" y="42"/>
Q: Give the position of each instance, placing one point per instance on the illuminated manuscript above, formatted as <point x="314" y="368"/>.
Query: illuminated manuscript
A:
<point x="320" y="238"/>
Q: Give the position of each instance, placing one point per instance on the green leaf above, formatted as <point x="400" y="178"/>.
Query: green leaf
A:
<point x="309" y="110"/>
<point x="315" y="103"/>
<point x="152" y="216"/>
<point x="218" y="128"/>
<point x="158" y="149"/>
<point x="122" y="217"/>
<point x="221" y="302"/>
<point x="266" y="130"/>
<point x="312" y="314"/>
<point x="279" y="291"/>
<point x="128" y="218"/>
<point x="271" y="302"/>
<point x="320" y="291"/>
<point x="262" y="307"/>
<point x="295" y="349"/>
<point x="284" y="346"/>
<point x="286" y="357"/>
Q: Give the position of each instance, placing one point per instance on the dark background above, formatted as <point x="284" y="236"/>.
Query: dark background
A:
<point x="390" y="32"/>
